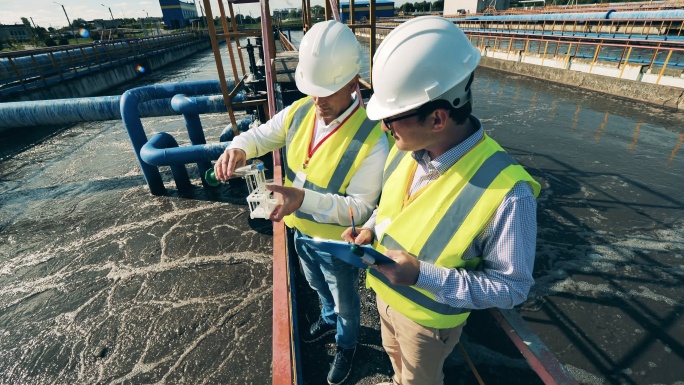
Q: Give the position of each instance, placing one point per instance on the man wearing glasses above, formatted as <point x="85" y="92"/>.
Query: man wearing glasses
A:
<point x="457" y="213"/>
<point x="333" y="166"/>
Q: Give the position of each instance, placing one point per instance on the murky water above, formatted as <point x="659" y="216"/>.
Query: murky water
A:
<point x="101" y="282"/>
<point x="610" y="251"/>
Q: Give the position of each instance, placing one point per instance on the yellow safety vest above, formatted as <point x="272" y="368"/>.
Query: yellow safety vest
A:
<point x="332" y="165"/>
<point x="440" y="221"/>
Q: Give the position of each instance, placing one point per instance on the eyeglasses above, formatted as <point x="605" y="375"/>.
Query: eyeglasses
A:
<point x="388" y="122"/>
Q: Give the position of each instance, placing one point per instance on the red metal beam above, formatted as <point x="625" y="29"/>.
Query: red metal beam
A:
<point x="538" y="355"/>
<point x="283" y="363"/>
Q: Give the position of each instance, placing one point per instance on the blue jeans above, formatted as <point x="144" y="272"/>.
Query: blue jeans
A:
<point x="336" y="283"/>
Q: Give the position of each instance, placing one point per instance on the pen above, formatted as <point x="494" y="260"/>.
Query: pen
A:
<point x="351" y="215"/>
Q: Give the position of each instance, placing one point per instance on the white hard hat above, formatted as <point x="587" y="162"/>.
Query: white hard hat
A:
<point x="423" y="59"/>
<point x="329" y="58"/>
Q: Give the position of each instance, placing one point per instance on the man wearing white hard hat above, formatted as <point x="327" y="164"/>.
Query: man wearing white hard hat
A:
<point x="457" y="214"/>
<point x="334" y="157"/>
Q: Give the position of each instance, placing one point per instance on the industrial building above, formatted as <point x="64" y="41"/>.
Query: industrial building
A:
<point x="178" y="13"/>
<point x="362" y="10"/>
<point x="461" y="7"/>
<point x="16" y="32"/>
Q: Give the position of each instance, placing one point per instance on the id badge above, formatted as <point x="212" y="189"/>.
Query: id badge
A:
<point x="299" y="180"/>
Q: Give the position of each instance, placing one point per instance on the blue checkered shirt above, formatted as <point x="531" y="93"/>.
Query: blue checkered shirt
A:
<point x="507" y="244"/>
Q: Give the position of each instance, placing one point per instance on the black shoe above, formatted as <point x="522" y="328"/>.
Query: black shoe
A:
<point x="341" y="365"/>
<point x="318" y="330"/>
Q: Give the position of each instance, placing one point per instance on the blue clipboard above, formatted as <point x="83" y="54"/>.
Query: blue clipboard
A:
<point x="343" y="250"/>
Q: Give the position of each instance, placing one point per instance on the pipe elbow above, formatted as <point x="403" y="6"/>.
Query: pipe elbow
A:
<point x="155" y="152"/>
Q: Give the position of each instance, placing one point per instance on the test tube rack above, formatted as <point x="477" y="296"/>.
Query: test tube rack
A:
<point x="260" y="200"/>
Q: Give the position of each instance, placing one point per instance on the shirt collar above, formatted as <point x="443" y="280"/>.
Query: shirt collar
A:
<point x="443" y="162"/>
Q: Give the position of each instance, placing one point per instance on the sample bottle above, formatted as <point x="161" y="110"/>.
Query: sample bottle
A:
<point x="212" y="181"/>
<point x="210" y="177"/>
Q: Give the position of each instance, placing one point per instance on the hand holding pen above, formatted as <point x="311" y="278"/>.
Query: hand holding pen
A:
<point x="353" y="227"/>
<point x="362" y="236"/>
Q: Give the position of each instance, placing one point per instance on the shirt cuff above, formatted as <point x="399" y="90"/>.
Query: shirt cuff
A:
<point x="429" y="277"/>
<point x="370" y="224"/>
<point x="311" y="201"/>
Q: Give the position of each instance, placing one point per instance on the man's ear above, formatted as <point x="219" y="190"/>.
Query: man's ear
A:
<point x="439" y="119"/>
<point x="352" y="84"/>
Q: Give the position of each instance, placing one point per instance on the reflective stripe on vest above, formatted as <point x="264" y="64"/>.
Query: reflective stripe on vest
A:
<point x="392" y="164"/>
<point x="334" y="163"/>
<point x="343" y="166"/>
<point x="479" y="184"/>
<point x="297" y="120"/>
<point x="447" y="226"/>
<point x="419" y="298"/>
<point x="409" y="292"/>
<point x="461" y="207"/>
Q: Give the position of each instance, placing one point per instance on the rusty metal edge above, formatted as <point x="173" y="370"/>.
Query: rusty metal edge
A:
<point x="283" y="353"/>
<point x="538" y="355"/>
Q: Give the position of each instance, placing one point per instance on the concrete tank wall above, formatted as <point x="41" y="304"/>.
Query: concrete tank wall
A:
<point x="637" y="90"/>
<point x="98" y="82"/>
<point x="629" y="81"/>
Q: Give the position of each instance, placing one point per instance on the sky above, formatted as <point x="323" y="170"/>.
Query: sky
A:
<point x="46" y="13"/>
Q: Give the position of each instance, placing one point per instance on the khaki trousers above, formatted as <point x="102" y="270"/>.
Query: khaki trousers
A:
<point x="417" y="352"/>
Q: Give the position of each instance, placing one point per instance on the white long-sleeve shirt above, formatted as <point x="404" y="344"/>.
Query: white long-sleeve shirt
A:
<point x="364" y="187"/>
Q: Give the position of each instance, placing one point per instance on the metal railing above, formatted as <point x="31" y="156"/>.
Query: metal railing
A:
<point x="28" y="69"/>
<point x="625" y="29"/>
<point x="581" y="8"/>
<point x="657" y="57"/>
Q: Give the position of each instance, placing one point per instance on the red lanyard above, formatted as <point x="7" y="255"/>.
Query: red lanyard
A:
<point x="313" y="134"/>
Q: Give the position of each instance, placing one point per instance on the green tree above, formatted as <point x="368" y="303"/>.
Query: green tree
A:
<point x="78" y="23"/>
<point x="317" y="11"/>
<point x="438" y="6"/>
<point x="30" y="29"/>
<point x="26" y="22"/>
<point x="42" y="33"/>
<point x="407" y="8"/>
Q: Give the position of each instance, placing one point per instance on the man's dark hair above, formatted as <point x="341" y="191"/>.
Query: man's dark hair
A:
<point x="460" y="115"/>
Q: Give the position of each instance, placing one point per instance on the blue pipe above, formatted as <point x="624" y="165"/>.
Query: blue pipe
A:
<point x="159" y="151"/>
<point x="183" y="104"/>
<point x="130" y="115"/>
<point x="190" y="108"/>
<point x="228" y="133"/>
<point x="70" y="111"/>
<point x="163" y="150"/>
